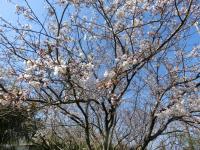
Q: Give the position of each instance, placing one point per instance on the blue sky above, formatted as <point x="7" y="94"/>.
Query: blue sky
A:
<point x="7" y="9"/>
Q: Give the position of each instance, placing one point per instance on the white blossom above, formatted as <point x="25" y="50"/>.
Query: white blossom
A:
<point x="35" y="84"/>
<point x="29" y="63"/>
<point x="109" y="74"/>
<point x="105" y="74"/>
<point x="125" y="64"/>
<point x="81" y="55"/>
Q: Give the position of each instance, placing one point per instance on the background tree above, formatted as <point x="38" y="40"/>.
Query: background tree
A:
<point x="16" y="125"/>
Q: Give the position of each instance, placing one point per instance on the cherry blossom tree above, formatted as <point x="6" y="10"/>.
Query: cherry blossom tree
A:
<point x="125" y="71"/>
